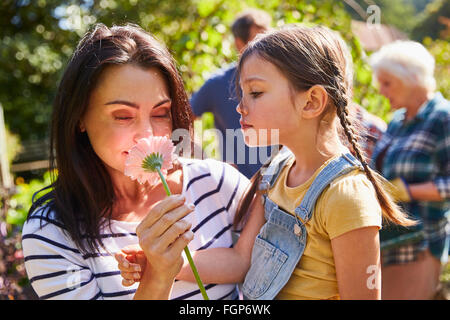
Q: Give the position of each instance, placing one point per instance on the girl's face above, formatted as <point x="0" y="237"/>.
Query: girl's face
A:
<point x="268" y="114"/>
<point x="127" y="104"/>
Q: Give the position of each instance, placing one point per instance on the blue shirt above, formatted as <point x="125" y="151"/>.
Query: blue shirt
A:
<point x="218" y="95"/>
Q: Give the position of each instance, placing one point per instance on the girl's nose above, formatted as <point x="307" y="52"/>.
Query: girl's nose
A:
<point x="241" y="109"/>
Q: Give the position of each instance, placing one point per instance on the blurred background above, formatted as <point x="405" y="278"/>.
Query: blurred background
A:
<point x="37" y="37"/>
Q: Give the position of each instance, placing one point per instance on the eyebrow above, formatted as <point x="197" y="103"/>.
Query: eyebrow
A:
<point x="134" y="105"/>
<point x="253" y="78"/>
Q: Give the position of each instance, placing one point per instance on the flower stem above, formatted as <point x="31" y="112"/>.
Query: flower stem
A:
<point x="166" y="187"/>
<point x="186" y="249"/>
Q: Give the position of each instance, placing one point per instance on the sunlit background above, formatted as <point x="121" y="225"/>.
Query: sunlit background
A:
<point x="38" y="37"/>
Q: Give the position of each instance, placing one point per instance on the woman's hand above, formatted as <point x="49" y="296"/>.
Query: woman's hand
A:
<point x="162" y="236"/>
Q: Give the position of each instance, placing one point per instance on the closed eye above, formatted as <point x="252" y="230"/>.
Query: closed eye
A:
<point x="255" y="94"/>
<point x="161" y="112"/>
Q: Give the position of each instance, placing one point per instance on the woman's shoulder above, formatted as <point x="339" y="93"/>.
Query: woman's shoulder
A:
<point x="213" y="179"/>
<point x="215" y="169"/>
<point x="42" y="219"/>
<point x="43" y="235"/>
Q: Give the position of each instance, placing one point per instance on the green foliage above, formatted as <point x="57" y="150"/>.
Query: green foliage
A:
<point x="13" y="145"/>
<point x="440" y="49"/>
<point x="38" y="37"/>
<point x="398" y="13"/>
<point x="428" y="24"/>
<point x="20" y="203"/>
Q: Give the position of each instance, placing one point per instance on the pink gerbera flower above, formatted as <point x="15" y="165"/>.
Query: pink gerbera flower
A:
<point x="149" y="161"/>
<point x="147" y="156"/>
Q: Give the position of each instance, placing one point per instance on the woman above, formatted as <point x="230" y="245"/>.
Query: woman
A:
<point x="121" y="85"/>
<point x="414" y="154"/>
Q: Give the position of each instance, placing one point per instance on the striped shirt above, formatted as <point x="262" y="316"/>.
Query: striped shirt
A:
<point x="58" y="270"/>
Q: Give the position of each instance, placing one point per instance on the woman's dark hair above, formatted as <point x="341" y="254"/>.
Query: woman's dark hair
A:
<point x="82" y="194"/>
<point x="309" y="56"/>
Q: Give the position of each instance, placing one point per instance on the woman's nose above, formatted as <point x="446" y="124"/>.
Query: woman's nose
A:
<point x="144" y="131"/>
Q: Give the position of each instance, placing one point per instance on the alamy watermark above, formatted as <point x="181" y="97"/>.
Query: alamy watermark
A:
<point x="373" y="17"/>
<point x="373" y="281"/>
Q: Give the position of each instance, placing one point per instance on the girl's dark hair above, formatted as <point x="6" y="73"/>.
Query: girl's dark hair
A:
<point x="310" y="56"/>
<point x="82" y="194"/>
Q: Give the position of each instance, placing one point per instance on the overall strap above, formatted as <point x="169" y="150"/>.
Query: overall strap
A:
<point x="336" y="168"/>
<point x="271" y="172"/>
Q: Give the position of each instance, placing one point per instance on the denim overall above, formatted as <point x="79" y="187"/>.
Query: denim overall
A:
<point x="282" y="239"/>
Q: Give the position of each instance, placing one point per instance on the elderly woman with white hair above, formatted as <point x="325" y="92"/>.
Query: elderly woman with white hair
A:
<point x="414" y="155"/>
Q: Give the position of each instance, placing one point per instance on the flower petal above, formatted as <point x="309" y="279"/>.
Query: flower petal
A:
<point x="143" y="148"/>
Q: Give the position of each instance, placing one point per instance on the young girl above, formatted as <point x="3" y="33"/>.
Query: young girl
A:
<point x="320" y="208"/>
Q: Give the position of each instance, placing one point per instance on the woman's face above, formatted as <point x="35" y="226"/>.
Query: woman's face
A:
<point x="127" y="104"/>
<point x="394" y="89"/>
<point x="266" y="105"/>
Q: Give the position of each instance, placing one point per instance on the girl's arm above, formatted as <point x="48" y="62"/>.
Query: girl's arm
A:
<point x="228" y="265"/>
<point x="357" y="260"/>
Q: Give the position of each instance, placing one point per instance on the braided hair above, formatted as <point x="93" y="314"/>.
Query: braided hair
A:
<point x="310" y="56"/>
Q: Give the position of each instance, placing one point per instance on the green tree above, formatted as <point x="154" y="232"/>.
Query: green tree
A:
<point x="429" y="24"/>
<point x="401" y="14"/>
<point x="38" y="37"/>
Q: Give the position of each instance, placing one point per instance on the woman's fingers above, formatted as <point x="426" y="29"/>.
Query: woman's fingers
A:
<point x="171" y="218"/>
<point x="159" y="210"/>
<point x="155" y="239"/>
<point x="180" y="243"/>
<point x="163" y="234"/>
<point x="174" y="232"/>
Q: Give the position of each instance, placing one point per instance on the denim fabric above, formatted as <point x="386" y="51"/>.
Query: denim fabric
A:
<point x="281" y="241"/>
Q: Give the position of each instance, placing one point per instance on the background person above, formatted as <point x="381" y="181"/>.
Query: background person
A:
<point x="370" y="128"/>
<point x="218" y="95"/>
<point x="414" y="154"/>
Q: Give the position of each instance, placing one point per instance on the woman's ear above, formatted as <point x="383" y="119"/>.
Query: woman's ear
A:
<point x="314" y="102"/>
<point x="81" y="126"/>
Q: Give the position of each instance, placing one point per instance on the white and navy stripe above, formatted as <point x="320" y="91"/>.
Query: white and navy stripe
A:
<point x="58" y="270"/>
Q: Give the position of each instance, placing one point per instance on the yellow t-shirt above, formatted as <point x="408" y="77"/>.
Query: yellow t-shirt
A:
<point x="348" y="203"/>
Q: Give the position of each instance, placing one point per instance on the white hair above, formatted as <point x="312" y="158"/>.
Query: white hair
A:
<point x="408" y="60"/>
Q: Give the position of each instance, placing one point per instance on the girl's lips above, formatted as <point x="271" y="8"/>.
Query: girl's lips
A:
<point x="244" y="125"/>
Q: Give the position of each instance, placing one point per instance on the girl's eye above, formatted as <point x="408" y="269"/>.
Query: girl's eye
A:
<point x="255" y="94"/>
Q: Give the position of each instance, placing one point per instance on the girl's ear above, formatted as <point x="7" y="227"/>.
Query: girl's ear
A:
<point x="314" y="102"/>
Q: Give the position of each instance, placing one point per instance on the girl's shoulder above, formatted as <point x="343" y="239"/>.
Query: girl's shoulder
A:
<point x="351" y="186"/>
<point x="348" y="203"/>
